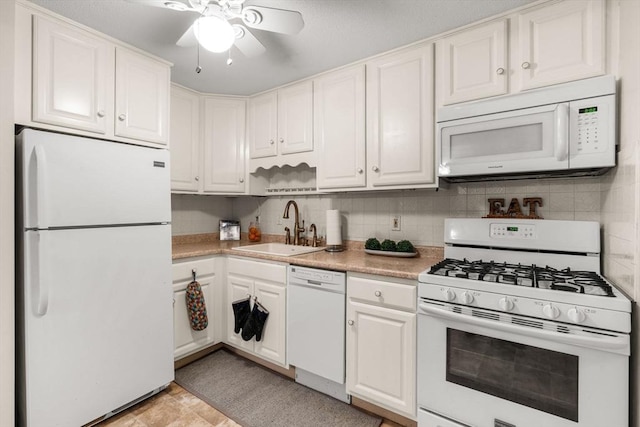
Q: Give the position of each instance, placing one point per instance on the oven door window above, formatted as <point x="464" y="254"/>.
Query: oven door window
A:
<point x="538" y="378"/>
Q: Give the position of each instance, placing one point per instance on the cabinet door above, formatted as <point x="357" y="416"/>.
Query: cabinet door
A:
<point x="400" y="119"/>
<point x="473" y="64"/>
<point x="142" y="97"/>
<point x="295" y="118"/>
<point x="72" y="78"/>
<point x="561" y="42"/>
<point x="186" y="340"/>
<point x="339" y="128"/>
<point x="238" y="287"/>
<point x="381" y="356"/>
<point x="185" y="140"/>
<point x="262" y="125"/>
<point x="224" y="125"/>
<point x="273" y="344"/>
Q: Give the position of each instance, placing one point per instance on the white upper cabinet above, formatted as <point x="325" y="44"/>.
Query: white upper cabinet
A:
<point x="473" y="64"/>
<point x="400" y="119"/>
<point x="263" y="125"/>
<point x="185" y="140"/>
<point x="72" y="77"/>
<point x="542" y="46"/>
<point x="223" y="145"/>
<point x="295" y="118"/>
<point x="339" y="128"/>
<point x="142" y="97"/>
<point x="561" y="42"/>
<point x="280" y="126"/>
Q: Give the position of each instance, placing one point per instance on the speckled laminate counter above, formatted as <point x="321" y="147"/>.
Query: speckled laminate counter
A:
<point x="352" y="259"/>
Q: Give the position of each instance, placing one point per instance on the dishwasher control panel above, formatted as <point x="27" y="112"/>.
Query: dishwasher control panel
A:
<point x="312" y="274"/>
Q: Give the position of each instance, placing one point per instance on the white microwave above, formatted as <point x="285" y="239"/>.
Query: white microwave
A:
<point x="567" y="129"/>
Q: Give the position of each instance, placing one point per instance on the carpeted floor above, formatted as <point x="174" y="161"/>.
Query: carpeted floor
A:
<point x="254" y="396"/>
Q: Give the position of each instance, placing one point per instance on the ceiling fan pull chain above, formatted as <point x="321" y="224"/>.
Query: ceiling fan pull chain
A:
<point x="198" y="67"/>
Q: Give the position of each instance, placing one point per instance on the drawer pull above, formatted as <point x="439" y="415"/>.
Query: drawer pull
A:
<point x="378" y="293"/>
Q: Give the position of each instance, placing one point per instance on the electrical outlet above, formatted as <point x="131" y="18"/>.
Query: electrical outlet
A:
<point x="395" y="223"/>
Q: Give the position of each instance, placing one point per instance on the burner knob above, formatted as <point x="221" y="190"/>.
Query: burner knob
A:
<point x="505" y="304"/>
<point x="576" y="315"/>
<point x="551" y="311"/>
<point x="467" y="297"/>
<point x="448" y="295"/>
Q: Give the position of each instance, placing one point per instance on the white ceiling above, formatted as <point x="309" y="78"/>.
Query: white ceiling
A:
<point x="336" y="32"/>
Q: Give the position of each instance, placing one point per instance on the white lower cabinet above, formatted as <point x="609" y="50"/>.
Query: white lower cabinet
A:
<point x="186" y="340"/>
<point x="381" y="342"/>
<point x="267" y="282"/>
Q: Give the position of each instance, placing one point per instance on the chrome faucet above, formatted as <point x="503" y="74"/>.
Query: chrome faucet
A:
<point x="297" y="228"/>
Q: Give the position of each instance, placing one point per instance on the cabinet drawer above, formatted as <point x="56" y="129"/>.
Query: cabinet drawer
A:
<point x="181" y="270"/>
<point x="396" y="293"/>
<point x="264" y="270"/>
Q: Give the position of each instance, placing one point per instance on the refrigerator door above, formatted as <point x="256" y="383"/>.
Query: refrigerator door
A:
<point x="97" y="318"/>
<point x="72" y="181"/>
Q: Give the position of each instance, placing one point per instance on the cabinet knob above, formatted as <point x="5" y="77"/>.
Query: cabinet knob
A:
<point x="378" y="293"/>
<point x="360" y="171"/>
<point x="526" y="65"/>
<point x="500" y="71"/>
<point x="375" y="169"/>
<point x="241" y="180"/>
<point x="271" y="142"/>
<point x="122" y="117"/>
<point x="350" y="322"/>
<point x="197" y="178"/>
<point x="281" y="140"/>
<point x="101" y="113"/>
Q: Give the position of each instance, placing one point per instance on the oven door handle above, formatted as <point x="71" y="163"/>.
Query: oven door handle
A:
<point x="618" y="344"/>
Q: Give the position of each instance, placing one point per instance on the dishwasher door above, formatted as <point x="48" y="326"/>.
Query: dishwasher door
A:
<point x="316" y="322"/>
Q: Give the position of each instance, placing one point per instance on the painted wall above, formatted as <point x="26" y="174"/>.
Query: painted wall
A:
<point x="620" y="202"/>
<point x="6" y="214"/>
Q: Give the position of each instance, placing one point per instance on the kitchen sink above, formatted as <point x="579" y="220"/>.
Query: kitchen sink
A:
<point x="279" y="249"/>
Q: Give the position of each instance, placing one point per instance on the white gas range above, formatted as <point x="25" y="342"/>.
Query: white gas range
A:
<point x="516" y="328"/>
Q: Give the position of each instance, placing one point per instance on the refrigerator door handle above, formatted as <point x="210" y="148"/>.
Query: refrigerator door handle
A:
<point x="41" y="187"/>
<point x="39" y="287"/>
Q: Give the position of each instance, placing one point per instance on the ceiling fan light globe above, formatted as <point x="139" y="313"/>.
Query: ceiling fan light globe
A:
<point x="214" y="33"/>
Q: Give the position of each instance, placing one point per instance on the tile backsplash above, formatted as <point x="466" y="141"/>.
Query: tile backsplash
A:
<point x="421" y="212"/>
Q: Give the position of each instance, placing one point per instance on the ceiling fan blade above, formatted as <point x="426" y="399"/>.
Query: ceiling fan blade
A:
<point x="179" y="5"/>
<point x="188" y="39"/>
<point x="276" y="20"/>
<point x="247" y="43"/>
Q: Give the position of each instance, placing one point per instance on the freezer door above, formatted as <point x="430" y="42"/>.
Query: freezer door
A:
<point x="97" y="321"/>
<point x="72" y="181"/>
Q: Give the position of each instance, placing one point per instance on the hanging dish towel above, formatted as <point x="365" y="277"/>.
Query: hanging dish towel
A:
<point x="196" y="306"/>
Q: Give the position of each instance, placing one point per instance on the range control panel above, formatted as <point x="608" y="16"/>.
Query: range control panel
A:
<point x="513" y="231"/>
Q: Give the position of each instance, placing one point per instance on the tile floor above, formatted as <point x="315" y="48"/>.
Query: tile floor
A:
<point x="176" y="407"/>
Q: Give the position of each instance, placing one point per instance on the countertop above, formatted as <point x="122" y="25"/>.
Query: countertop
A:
<point x="352" y="259"/>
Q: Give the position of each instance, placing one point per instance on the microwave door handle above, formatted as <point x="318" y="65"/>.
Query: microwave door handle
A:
<point x="610" y="343"/>
<point x="562" y="132"/>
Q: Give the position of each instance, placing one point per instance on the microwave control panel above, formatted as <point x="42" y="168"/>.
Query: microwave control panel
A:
<point x="592" y="131"/>
<point x="588" y="124"/>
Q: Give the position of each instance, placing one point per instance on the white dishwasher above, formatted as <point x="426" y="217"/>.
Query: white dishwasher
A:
<point x="316" y="329"/>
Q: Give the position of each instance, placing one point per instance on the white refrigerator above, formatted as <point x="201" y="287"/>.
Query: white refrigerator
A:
<point x="94" y="300"/>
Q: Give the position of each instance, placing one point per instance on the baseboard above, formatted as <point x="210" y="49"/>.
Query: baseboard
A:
<point x="197" y="355"/>
<point x="290" y="373"/>
<point x="382" y="412"/>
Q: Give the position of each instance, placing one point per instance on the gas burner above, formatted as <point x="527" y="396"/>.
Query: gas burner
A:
<point x="564" y="280"/>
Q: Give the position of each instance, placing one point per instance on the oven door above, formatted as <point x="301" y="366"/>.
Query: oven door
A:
<point x="487" y="369"/>
<point x="529" y="140"/>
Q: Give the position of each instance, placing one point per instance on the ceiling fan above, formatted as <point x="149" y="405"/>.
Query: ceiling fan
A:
<point x="214" y="31"/>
